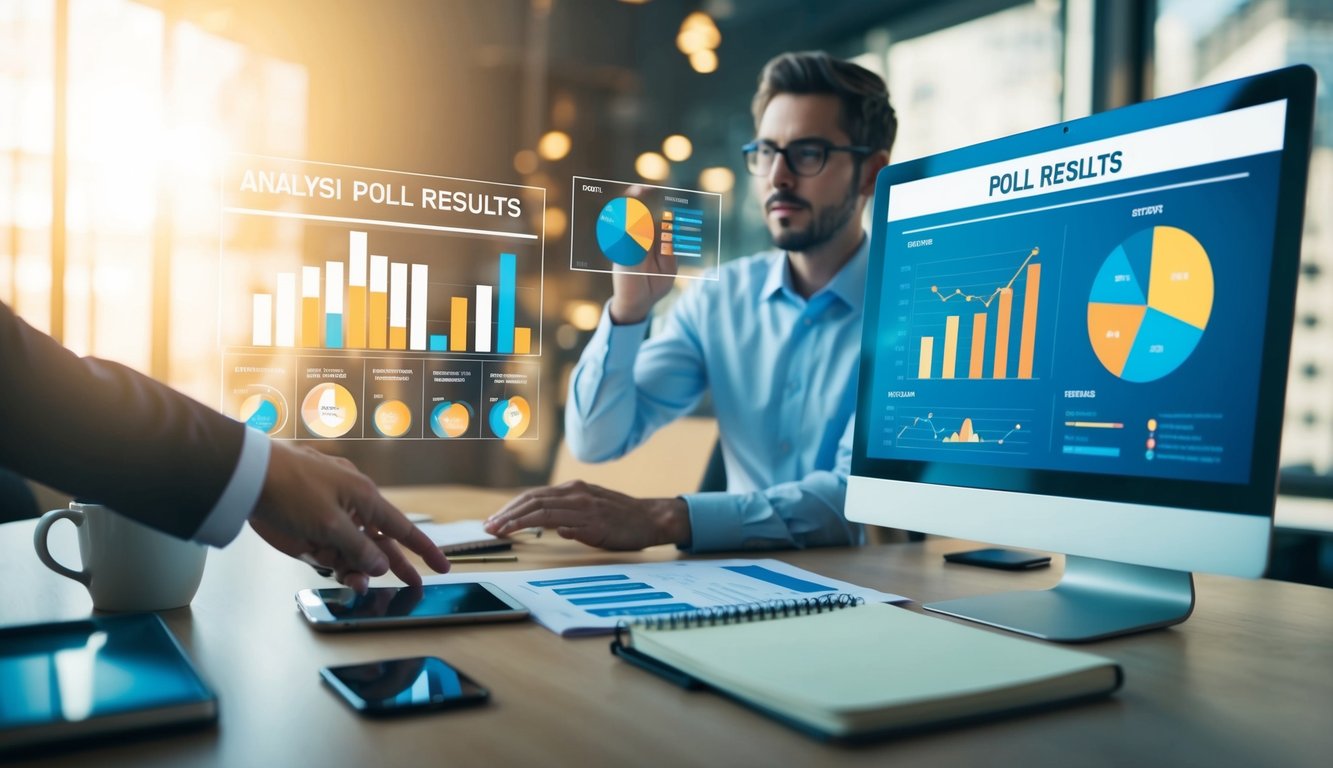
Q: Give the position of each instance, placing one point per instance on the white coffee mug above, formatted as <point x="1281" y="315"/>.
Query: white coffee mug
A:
<point x="126" y="566"/>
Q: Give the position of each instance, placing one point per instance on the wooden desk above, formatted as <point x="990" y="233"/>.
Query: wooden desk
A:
<point x="1247" y="681"/>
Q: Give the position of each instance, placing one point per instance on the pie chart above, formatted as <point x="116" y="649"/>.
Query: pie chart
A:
<point x="1150" y="304"/>
<point x="510" y="417"/>
<point x="392" y="418"/>
<point x="450" y="419"/>
<point x="329" y="410"/>
<point x="625" y="231"/>
<point x="266" y="410"/>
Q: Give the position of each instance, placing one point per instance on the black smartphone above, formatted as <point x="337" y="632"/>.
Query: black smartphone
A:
<point x="1004" y="559"/>
<point x="401" y="686"/>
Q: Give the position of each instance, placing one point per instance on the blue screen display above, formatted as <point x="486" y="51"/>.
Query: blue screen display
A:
<point x="1100" y="315"/>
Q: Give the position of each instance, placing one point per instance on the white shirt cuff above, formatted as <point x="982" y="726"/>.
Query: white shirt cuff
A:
<point x="242" y="492"/>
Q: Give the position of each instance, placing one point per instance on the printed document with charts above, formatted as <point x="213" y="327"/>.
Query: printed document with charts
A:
<point x="591" y="600"/>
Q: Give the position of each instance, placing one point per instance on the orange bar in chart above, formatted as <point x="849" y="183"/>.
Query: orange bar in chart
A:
<point x="397" y="306"/>
<point x="356" y="291"/>
<point x="522" y="340"/>
<point x="310" y="306"/>
<point x="1028" y="337"/>
<point x="950" y="346"/>
<point x="379" y="302"/>
<point x="1002" y="332"/>
<point x="458" y="324"/>
<point x="927" y="350"/>
<point x="978" y="345"/>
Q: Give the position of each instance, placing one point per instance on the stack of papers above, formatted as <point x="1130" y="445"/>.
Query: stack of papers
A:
<point x="463" y="536"/>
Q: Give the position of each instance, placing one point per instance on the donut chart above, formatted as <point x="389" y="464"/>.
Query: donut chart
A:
<point x="625" y="231"/>
<point x="329" y="410"/>
<point x="450" y="419"/>
<point x="1150" y="303"/>
<point x="392" y="418"/>
<point x="266" y="411"/>
<point x="509" y="418"/>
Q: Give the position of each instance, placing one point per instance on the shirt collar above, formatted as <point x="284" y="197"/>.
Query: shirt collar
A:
<point x="848" y="285"/>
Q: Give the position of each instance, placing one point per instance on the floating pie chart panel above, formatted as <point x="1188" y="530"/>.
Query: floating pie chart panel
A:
<point x="1150" y="304"/>
<point x="625" y="231"/>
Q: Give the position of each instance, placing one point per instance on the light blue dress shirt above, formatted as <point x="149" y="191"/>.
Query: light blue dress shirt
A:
<point x="782" y="371"/>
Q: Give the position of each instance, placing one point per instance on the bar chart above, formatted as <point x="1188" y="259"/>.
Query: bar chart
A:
<point x="390" y="311"/>
<point x="976" y="317"/>
<point x="391" y="306"/>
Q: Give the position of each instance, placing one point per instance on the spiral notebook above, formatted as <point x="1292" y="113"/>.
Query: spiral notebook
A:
<point x="464" y="536"/>
<point x="842" y="670"/>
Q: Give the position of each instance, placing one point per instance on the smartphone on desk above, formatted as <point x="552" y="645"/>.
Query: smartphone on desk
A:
<point x="340" y="608"/>
<point x="402" y="686"/>
<point x="1003" y="559"/>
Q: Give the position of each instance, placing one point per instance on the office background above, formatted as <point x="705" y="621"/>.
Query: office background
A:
<point x="115" y="116"/>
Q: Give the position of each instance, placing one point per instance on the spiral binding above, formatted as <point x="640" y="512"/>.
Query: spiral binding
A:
<point x="746" y="612"/>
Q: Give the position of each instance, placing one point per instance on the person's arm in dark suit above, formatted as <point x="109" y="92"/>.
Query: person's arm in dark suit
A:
<point x="103" y="431"/>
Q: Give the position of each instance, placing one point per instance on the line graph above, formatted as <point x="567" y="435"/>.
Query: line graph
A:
<point x="986" y="300"/>
<point x="959" y="429"/>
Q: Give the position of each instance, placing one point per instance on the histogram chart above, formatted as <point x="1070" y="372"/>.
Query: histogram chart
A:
<point x="378" y="305"/>
<point x="976" y="317"/>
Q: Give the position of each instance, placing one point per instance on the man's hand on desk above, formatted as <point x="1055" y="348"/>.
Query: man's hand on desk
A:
<point x="322" y="506"/>
<point x="596" y="516"/>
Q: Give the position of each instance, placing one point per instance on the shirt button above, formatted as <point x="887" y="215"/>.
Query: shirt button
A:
<point x="809" y="322"/>
<point x="784" y="447"/>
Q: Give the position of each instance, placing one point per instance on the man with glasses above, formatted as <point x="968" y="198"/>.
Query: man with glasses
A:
<point x="776" y="340"/>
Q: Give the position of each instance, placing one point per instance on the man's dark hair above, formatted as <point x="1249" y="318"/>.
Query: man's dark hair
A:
<point x="867" y="116"/>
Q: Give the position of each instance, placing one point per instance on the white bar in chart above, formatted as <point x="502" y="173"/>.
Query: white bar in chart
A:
<point x="263" y="320"/>
<point x="285" y="325"/>
<point x="483" y="330"/>
<point x="416" y="337"/>
<point x="397" y="306"/>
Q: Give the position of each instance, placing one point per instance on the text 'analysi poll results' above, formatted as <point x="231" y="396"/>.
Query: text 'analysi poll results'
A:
<point x="363" y="303"/>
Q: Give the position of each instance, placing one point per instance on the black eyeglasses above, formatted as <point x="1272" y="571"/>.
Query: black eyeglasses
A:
<point x="805" y="157"/>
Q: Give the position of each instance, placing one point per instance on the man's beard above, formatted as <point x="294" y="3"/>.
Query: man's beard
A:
<point x="827" y="223"/>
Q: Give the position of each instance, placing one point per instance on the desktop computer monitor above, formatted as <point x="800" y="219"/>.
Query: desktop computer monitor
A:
<point x="1076" y="339"/>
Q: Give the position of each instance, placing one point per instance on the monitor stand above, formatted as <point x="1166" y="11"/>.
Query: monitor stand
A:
<point x="1095" y="599"/>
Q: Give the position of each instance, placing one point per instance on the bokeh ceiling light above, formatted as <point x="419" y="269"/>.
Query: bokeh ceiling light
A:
<point x="583" y="315"/>
<point x="677" y="148"/>
<point x="704" y="62"/>
<point x="652" y="166"/>
<point x="525" y="161"/>
<point x="554" y="145"/>
<point x="698" y="33"/>
<point x="717" y="179"/>
<point x="556" y="222"/>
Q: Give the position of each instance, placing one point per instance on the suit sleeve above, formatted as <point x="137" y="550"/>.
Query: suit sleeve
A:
<point x="106" y="433"/>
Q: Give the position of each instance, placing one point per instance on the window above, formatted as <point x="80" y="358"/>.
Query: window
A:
<point x="1207" y="41"/>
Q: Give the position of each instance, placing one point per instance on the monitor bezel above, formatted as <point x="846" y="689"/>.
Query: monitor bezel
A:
<point x="1254" y="497"/>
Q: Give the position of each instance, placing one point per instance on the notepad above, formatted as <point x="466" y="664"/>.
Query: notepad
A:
<point x="96" y="677"/>
<point x="464" y="536"/>
<point x="864" y="671"/>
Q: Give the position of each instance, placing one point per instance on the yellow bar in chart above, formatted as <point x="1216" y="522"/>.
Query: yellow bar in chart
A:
<point x="397" y="306"/>
<point x="950" y="346"/>
<point x="310" y="306"/>
<point x="356" y="291"/>
<point x="1028" y="336"/>
<point x="978" y="345"/>
<point x="378" y="335"/>
<point x="522" y="340"/>
<point x="458" y="324"/>
<point x="927" y="350"/>
<point x="1002" y="332"/>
